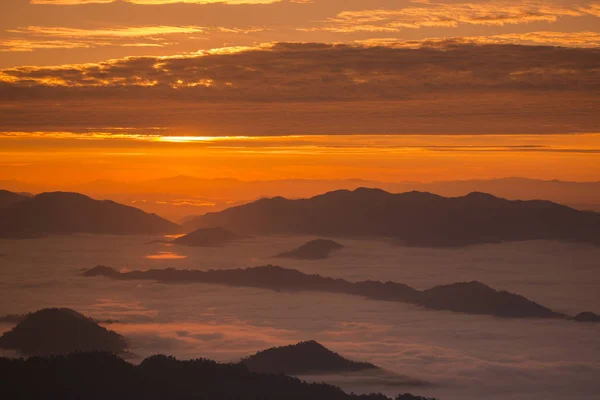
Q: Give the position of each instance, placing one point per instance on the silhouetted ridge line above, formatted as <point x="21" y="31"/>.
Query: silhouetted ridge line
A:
<point x="318" y="249"/>
<point x="60" y="331"/>
<point x="93" y="376"/>
<point x="468" y="297"/>
<point x="587" y="317"/>
<point x="206" y="237"/>
<point x="302" y="358"/>
<point x="9" y="198"/>
<point x="65" y="213"/>
<point x="419" y="219"/>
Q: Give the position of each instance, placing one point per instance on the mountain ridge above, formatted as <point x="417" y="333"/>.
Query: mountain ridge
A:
<point x="309" y="357"/>
<point x="66" y="213"/>
<point x="418" y="218"/>
<point x="464" y="297"/>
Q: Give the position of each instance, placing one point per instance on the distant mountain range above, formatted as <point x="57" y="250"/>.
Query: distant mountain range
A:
<point x="465" y="297"/>
<point x="66" y="213"/>
<point x="181" y="196"/>
<point x="416" y="218"/>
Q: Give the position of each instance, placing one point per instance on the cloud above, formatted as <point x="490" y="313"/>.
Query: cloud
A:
<point x="445" y="15"/>
<point x="128" y="32"/>
<point x="570" y="39"/>
<point x="445" y="86"/>
<point x="153" y="2"/>
<point x="31" y="38"/>
<point x="26" y="45"/>
<point x="311" y="71"/>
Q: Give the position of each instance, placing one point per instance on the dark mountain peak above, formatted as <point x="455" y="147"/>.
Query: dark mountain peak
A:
<point x="310" y="343"/>
<point x="302" y="358"/>
<point x="60" y="331"/>
<point x="67" y="212"/>
<point x="317" y="249"/>
<point x="478" y="298"/>
<point x="473" y="285"/>
<point x="481" y="196"/>
<point x="8" y="198"/>
<point x="372" y="191"/>
<point x="416" y="195"/>
<point x="587" y="317"/>
<point x="63" y="196"/>
<point x="101" y="270"/>
<point x="207" y="237"/>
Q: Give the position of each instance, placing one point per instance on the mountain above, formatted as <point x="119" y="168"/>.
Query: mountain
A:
<point x="418" y="219"/>
<point x="60" y="331"/>
<point x="207" y="237"/>
<point x="587" y="317"/>
<point x="179" y="197"/>
<point x="477" y="298"/>
<point x="302" y="358"/>
<point x="318" y="249"/>
<point x="470" y="297"/>
<point x="61" y="212"/>
<point x="8" y="198"/>
<point x="580" y="195"/>
<point x="96" y="376"/>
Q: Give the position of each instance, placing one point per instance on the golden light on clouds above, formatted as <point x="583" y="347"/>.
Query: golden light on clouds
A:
<point x="153" y="2"/>
<point x="449" y="16"/>
<point x="127" y="32"/>
<point x="572" y="39"/>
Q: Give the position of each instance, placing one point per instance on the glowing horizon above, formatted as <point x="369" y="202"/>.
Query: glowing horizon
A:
<point x="425" y="158"/>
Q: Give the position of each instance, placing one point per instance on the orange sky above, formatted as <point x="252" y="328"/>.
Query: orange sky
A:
<point x="67" y="158"/>
<point x="389" y="90"/>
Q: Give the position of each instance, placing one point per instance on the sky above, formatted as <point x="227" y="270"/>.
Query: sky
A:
<point x="391" y="90"/>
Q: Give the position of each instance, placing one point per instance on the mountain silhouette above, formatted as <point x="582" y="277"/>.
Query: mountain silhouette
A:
<point x="318" y="249"/>
<point x="96" y="376"/>
<point x="60" y="331"/>
<point x="207" y="237"/>
<point x="418" y="219"/>
<point x="587" y="317"/>
<point x="471" y="297"/>
<point x="8" y="198"/>
<point x="302" y="358"/>
<point x="65" y="213"/>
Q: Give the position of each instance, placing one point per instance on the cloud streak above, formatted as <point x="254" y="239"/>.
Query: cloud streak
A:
<point x="153" y="2"/>
<point x="430" y="15"/>
<point x="567" y="39"/>
<point x="32" y="38"/>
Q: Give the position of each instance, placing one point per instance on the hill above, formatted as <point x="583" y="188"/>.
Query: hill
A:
<point x="8" y="198"/>
<point x="60" y="331"/>
<point x="472" y="297"/>
<point x="318" y="249"/>
<point x="587" y="317"/>
<point x="65" y="213"/>
<point x="105" y="376"/>
<point x="207" y="237"/>
<point x="418" y="219"/>
<point x="302" y="358"/>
